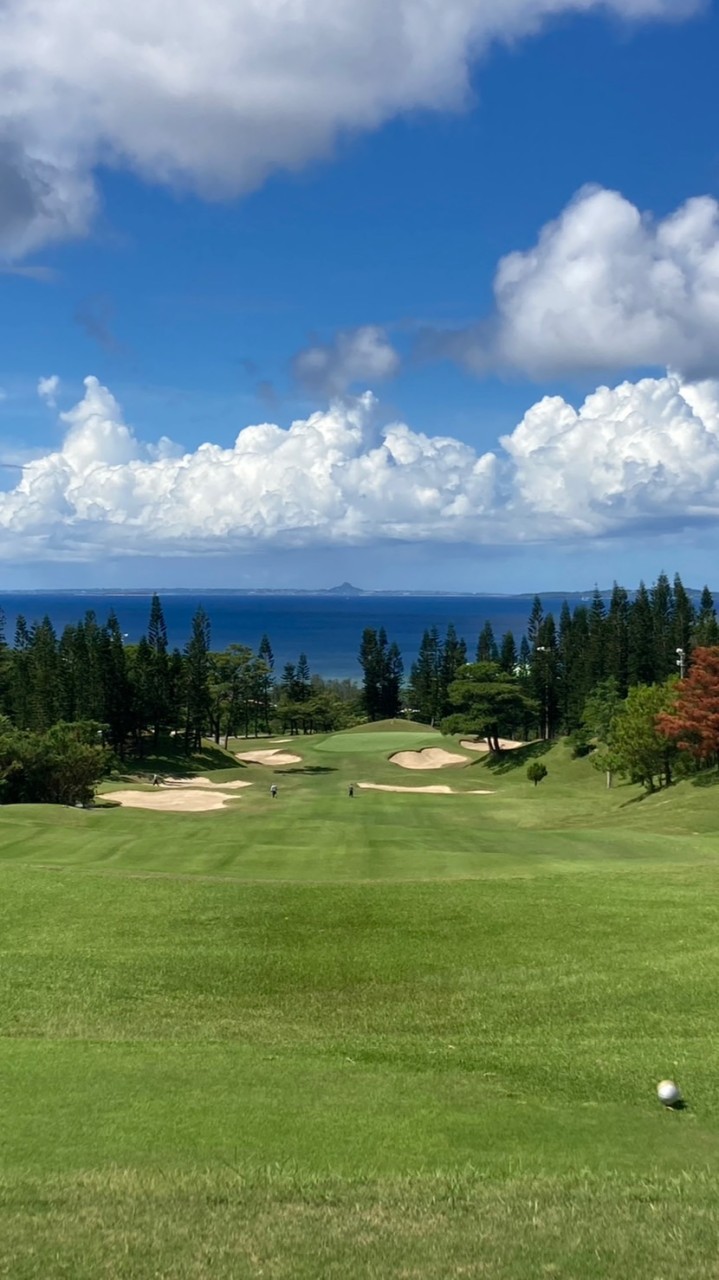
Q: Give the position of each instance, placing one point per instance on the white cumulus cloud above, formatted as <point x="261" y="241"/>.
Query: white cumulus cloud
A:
<point x="634" y="457"/>
<point x="216" y="96"/>
<point x="605" y="288"/>
<point x="355" y="355"/>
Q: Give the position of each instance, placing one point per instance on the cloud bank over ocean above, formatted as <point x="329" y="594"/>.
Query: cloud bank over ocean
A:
<point x="638" y="457"/>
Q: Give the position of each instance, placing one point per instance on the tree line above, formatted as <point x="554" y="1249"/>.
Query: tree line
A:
<point x="564" y="676"/>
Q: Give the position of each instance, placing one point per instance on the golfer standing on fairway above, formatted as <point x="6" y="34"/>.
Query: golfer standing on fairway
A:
<point x="273" y="790"/>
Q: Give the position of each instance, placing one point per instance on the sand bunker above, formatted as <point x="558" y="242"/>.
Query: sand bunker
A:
<point x="269" y="757"/>
<point x="172" y="800"/>
<point x="507" y="744"/>
<point x="203" y="782"/>
<point x="421" y="791"/>
<point x="430" y="758"/>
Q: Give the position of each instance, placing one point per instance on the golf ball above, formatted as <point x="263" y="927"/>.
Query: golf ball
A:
<point x="668" y="1093"/>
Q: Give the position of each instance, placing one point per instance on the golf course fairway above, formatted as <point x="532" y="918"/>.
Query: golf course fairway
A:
<point x="381" y="1035"/>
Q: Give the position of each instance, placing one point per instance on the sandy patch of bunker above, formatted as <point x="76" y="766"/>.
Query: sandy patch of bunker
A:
<point x="507" y="744"/>
<point x="269" y="757"/>
<point x="204" y="782"/>
<point x="421" y="791"/>
<point x="429" y="758"/>
<point x="172" y="800"/>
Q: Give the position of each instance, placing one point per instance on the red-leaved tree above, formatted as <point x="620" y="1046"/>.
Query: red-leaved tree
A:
<point x="693" y="720"/>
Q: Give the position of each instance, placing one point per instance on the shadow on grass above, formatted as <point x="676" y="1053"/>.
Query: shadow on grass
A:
<point x="516" y="758"/>
<point x="710" y="778"/>
<point x="171" y="758"/>
<point x="644" y="795"/>
<point x="309" y="768"/>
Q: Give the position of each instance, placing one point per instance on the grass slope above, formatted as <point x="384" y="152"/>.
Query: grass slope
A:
<point x="388" y="1036"/>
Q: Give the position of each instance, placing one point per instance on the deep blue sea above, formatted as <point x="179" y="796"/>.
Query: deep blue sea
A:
<point x="327" y="628"/>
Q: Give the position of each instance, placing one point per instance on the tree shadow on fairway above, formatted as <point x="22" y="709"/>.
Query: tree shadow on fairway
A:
<point x="708" y="779"/>
<point x="309" y="768"/>
<point x="171" y="758"/>
<point x="515" y="758"/>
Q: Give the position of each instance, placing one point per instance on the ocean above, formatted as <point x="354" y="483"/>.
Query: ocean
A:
<point x="328" y="628"/>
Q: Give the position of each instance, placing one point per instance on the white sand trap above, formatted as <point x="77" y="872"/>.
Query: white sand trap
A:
<point x="507" y="744"/>
<point x="269" y="757"/>
<point x="171" y="801"/>
<point x="203" y="782"/>
<point x="421" y="791"/>
<point x="430" y="758"/>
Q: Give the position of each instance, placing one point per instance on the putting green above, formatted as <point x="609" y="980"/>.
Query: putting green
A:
<point x="378" y="744"/>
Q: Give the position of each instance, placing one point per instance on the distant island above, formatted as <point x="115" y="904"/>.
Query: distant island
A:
<point x="346" y="590"/>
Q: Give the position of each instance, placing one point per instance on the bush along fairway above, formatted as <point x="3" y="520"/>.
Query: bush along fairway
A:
<point x="379" y="1034"/>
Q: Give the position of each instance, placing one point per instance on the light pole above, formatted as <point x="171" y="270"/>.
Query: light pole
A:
<point x="681" y="662"/>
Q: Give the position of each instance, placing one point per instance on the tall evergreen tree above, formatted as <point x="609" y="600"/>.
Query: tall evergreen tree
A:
<point x="267" y="659"/>
<point x="536" y="618"/>
<point x="706" y="630"/>
<point x="597" y="639"/>
<point x="159" y="673"/>
<point x="5" y="668"/>
<point x="662" y="601"/>
<point x="197" y="658"/>
<point x="684" y="623"/>
<point x="453" y="658"/>
<point x="544" y="680"/>
<point x="118" y="696"/>
<point x="641" y="657"/>
<point x="20" y="675"/>
<point x="508" y="656"/>
<point x="617" y="644"/>
<point x="382" y="671"/>
<point x="265" y="652"/>
<point x="303" y="679"/>
<point x="43" y="676"/>
<point x="371" y="659"/>
<point x="140" y="670"/>
<point x="487" y="650"/>
<point x="424" y="680"/>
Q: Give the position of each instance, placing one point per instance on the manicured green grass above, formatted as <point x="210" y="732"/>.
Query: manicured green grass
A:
<point x="387" y="1036"/>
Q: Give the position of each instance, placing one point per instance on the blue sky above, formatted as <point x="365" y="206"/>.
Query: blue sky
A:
<point x="201" y="299"/>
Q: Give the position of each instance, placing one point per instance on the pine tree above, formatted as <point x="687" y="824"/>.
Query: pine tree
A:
<point x="372" y="661"/>
<point x="684" y="623"/>
<point x="140" y="671"/>
<point x="536" y="619"/>
<point x="662" y="601"/>
<point x="453" y="658"/>
<point x="5" y="668"/>
<point x="641" y="657"/>
<point x="159" y="674"/>
<point x="424" y="678"/>
<point x="197" y="659"/>
<point x="391" y="704"/>
<point x="487" y="650"/>
<point x="597" y="652"/>
<point x="117" y="688"/>
<point x="20" y="675"/>
<point x="303" y="679"/>
<point x="508" y="656"/>
<point x="265" y="653"/>
<point x="43" y="677"/>
<point x="706" y="631"/>
<point x="617" y="642"/>
<point x="544" y="679"/>
<point x="267" y="659"/>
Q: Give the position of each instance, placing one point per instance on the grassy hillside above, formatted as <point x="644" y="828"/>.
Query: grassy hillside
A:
<point x="386" y="1036"/>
